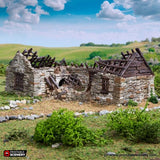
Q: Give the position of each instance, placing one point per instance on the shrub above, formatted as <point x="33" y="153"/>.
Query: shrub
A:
<point x="151" y="50"/>
<point x="157" y="85"/>
<point x="132" y="103"/>
<point x="96" y="53"/>
<point x="63" y="127"/>
<point x="3" y="69"/>
<point x="153" y="99"/>
<point x="16" y="134"/>
<point x="135" y="125"/>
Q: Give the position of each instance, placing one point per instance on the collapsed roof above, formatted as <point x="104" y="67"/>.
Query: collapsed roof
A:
<point x="131" y="64"/>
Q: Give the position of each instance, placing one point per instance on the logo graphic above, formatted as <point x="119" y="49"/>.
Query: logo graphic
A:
<point x="6" y="153"/>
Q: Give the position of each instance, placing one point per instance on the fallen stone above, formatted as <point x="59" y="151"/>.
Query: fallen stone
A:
<point x="23" y="101"/>
<point x="41" y="115"/>
<point x="13" y="105"/>
<point x="19" y="117"/>
<point x="28" y="102"/>
<point x="80" y="103"/>
<point x="90" y="113"/>
<point x="110" y="154"/>
<point x="118" y="105"/>
<point x="156" y="107"/>
<point x="22" y="116"/>
<point x="2" y="119"/>
<point x="56" y="145"/>
<point x="77" y="114"/>
<point x="11" y="102"/>
<point x="7" y="117"/>
<point x="29" y="117"/>
<point x="31" y="108"/>
<point x="5" y="140"/>
<point x="13" y="117"/>
<point x="25" y="108"/>
<point x="18" y="102"/>
<point x="35" y="116"/>
<point x="6" y="107"/>
<point x="104" y="112"/>
<point x="49" y="115"/>
<point x="35" y="100"/>
<point x="2" y="108"/>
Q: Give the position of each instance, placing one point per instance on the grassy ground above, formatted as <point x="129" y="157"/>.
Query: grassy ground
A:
<point x="7" y="51"/>
<point x="38" y="151"/>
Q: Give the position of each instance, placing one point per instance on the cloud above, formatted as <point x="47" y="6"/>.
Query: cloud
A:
<point x="19" y="12"/>
<point x="88" y="18"/>
<point x="14" y="26"/>
<point x="40" y="11"/>
<point x="57" y="5"/>
<point x="2" y="3"/>
<point x="145" y="8"/>
<point x="109" y="12"/>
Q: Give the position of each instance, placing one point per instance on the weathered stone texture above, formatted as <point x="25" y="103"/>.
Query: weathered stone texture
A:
<point x="119" y="89"/>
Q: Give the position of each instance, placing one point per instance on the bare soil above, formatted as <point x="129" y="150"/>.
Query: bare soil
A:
<point x="49" y="105"/>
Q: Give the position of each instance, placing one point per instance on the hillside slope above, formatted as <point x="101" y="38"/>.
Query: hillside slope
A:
<point x="78" y="54"/>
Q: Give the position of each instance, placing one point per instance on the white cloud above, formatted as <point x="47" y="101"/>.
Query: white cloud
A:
<point x="29" y="2"/>
<point x="145" y="8"/>
<point x="19" y="12"/>
<point x="40" y="11"/>
<point x="14" y="26"/>
<point x="57" y="5"/>
<point x="2" y="3"/>
<point x="110" y="13"/>
<point x="88" y="18"/>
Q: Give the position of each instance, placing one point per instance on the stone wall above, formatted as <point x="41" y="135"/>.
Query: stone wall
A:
<point x="119" y="89"/>
<point x="20" y="65"/>
<point x="136" y="88"/>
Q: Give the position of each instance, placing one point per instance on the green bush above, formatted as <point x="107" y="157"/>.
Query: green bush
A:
<point x="151" y="50"/>
<point x="153" y="99"/>
<point x="3" y="69"/>
<point x="96" y="53"/>
<point x="135" y="125"/>
<point x="16" y="134"/>
<point x="132" y="103"/>
<point x="157" y="85"/>
<point x="63" y="127"/>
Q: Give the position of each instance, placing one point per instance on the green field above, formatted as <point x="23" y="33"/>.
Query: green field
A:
<point x="37" y="151"/>
<point x="76" y="54"/>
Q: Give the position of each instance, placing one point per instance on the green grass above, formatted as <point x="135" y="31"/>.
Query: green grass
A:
<point x="80" y="54"/>
<point x="38" y="151"/>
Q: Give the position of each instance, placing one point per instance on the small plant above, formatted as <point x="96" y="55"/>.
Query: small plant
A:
<point x="151" y="49"/>
<point x="153" y="99"/>
<point x="97" y="53"/>
<point x="63" y="127"/>
<point x="132" y="103"/>
<point x="16" y="134"/>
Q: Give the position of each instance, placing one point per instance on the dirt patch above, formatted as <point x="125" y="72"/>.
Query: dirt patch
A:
<point x="48" y="106"/>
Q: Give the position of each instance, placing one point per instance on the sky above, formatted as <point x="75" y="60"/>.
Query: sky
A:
<point x="68" y="23"/>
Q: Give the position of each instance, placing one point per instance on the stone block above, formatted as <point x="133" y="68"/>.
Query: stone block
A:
<point x="131" y="96"/>
<point x="108" y="100"/>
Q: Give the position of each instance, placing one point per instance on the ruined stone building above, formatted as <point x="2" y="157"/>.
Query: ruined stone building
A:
<point x="107" y="81"/>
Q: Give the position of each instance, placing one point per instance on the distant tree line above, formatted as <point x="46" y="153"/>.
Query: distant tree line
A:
<point x="155" y="39"/>
<point x="91" y="44"/>
<point x="101" y="45"/>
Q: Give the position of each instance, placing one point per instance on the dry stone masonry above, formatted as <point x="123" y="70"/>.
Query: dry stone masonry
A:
<point x="107" y="82"/>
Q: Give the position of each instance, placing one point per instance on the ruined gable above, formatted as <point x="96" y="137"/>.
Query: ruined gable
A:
<point x="107" y="82"/>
